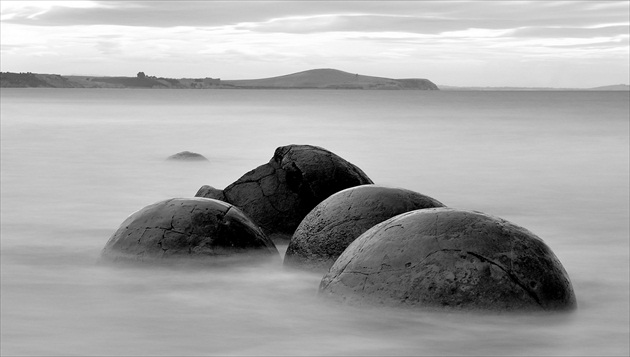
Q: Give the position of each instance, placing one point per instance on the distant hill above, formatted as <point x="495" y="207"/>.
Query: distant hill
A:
<point x="315" y="79"/>
<point x="325" y="78"/>
<point x="23" y="80"/>
<point x="28" y="79"/>
<point x="328" y="78"/>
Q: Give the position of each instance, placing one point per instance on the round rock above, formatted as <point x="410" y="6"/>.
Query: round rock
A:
<point x="336" y="222"/>
<point x="278" y="194"/>
<point x="448" y="258"/>
<point x="187" y="156"/>
<point x="199" y="229"/>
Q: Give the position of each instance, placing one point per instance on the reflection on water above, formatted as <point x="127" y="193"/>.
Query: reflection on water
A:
<point x="76" y="163"/>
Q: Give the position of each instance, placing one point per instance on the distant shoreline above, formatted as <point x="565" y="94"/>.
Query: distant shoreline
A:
<point x="610" y="88"/>
<point x="311" y="79"/>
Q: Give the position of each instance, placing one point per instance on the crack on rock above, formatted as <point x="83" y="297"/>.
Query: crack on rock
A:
<point x="227" y="192"/>
<point x="436" y="224"/>
<point x="172" y="227"/>
<point x="371" y="273"/>
<point x="240" y="182"/>
<point x="227" y="210"/>
<point x="159" y="243"/>
<point x="142" y="235"/>
<point x="510" y="275"/>
<point x="394" y="226"/>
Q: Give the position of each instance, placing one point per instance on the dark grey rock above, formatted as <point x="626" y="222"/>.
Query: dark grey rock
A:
<point x="199" y="229"/>
<point x="448" y="258"/>
<point x="337" y="221"/>
<point x="187" y="156"/>
<point x="278" y="194"/>
<point x="210" y="192"/>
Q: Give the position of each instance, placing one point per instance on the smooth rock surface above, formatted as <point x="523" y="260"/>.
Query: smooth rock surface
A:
<point x="448" y="258"/>
<point x="187" y="156"/>
<point x="337" y="221"/>
<point x="200" y="229"/>
<point x="278" y="194"/>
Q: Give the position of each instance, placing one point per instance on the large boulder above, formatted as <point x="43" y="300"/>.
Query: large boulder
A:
<point x="193" y="229"/>
<point x="448" y="258"/>
<point x="336" y="222"/>
<point x="278" y="194"/>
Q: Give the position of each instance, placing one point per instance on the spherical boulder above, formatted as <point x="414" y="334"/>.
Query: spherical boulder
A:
<point x="187" y="156"/>
<point x="448" y="258"/>
<point x="337" y="221"/>
<point x="199" y="229"/>
<point x="278" y="194"/>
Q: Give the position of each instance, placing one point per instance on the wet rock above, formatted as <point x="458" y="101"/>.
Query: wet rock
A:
<point x="199" y="229"/>
<point x="187" y="156"/>
<point x="448" y="258"/>
<point x="208" y="191"/>
<point x="336" y="222"/>
<point x="278" y="194"/>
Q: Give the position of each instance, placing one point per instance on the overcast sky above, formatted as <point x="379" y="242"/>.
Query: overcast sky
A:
<point x="464" y="43"/>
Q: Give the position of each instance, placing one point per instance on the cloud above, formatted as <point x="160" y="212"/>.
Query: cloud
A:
<point x="185" y="38"/>
<point x="310" y="16"/>
<point x="165" y="13"/>
<point x="352" y="23"/>
<point x="572" y="32"/>
<point x="109" y="47"/>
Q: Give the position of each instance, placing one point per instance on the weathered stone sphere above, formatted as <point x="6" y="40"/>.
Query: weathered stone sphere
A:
<point x="199" y="229"/>
<point x="187" y="156"/>
<point x="278" y="194"/>
<point x="448" y="258"/>
<point x="338" y="220"/>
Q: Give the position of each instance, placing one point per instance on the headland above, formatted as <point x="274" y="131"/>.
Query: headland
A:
<point x="312" y="79"/>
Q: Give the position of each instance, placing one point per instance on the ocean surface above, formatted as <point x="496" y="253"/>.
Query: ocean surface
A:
<point x="76" y="163"/>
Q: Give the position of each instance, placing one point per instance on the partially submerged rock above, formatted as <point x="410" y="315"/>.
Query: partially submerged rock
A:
<point x="442" y="257"/>
<point x="187" y="156"/>
<point x="199" y="229"/>
<point x="208" y="191"/>
<point x="337" y="221"/>
<point x="278" y="194"/>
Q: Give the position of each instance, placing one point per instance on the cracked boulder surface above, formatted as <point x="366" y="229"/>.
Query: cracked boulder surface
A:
<point x="449" y="258"/>
<point x="199" y="229"/>
<point x="280" y="193"/>
<point x="332" y="225"/>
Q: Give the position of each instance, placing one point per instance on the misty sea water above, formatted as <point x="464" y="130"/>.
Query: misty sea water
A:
<point x="75" y="163"/>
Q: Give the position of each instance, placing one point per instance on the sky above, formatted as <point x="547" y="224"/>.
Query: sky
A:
<point x="565" y="44"/>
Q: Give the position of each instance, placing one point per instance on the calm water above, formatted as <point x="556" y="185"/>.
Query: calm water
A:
<point x="76" y="163"/>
